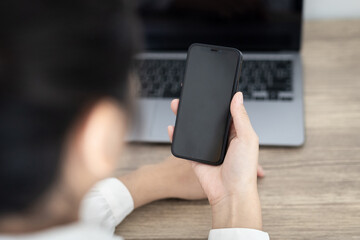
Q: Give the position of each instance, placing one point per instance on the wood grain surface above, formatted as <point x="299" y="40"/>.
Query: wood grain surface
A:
<point x="311" y="192"/>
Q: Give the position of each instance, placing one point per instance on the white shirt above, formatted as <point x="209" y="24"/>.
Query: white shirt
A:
<point x="104" y="207"/>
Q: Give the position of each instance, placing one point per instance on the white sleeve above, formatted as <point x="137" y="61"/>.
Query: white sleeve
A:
<point x="107" y="204"/>
<point x="237" y="234"/>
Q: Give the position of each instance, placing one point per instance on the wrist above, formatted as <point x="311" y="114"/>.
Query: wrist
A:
<point x="146" y="184"/>
<point x="237" y="210"/>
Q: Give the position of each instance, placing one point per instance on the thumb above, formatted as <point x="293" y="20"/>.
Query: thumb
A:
<point x="240" y="117"/>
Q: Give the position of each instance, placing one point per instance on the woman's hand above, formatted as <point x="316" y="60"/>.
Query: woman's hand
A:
<point x="232" y="187"/>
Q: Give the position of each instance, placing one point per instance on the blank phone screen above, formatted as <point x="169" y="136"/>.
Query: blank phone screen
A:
<point x="204" y="108"/>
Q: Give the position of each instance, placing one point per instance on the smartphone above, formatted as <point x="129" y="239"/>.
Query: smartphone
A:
<point x="203" y="119"/>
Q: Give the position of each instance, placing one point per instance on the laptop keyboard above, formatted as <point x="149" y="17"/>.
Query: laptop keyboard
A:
<point x="260" y="80"/>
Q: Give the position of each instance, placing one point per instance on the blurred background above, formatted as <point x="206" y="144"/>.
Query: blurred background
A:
<point x="332" y="9"/>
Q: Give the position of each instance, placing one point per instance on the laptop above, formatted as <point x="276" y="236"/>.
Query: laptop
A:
<point x="267" y="32"/>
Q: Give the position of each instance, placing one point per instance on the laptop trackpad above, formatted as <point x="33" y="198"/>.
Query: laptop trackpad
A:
<point x="142" y="121"/>
<point x="163" y="117"/>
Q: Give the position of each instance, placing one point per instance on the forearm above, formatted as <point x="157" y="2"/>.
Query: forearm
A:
<point x="148" y="183"/>
<point x="172" y="178"/>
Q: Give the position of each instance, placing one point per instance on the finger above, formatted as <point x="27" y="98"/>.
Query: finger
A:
<point x="240" y="118"/>
<point x="171" y="132"/>
<point x="260" y="171"/>
<point x="232" y="132"/>
<point x="174" y="105"/>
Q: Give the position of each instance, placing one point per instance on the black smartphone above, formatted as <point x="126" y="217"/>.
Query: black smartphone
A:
<point x="203" y="119"/>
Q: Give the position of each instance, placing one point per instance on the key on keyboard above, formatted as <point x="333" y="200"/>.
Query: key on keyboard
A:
<point x="259" y="80"/>
<point x="160" y="78"/>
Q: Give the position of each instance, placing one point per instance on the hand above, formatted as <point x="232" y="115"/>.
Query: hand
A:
<point x="232" y="187"/>
<point x="172" y="178"/>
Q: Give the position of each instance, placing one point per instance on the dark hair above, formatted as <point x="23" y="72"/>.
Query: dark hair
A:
<point x="55" y="57"/>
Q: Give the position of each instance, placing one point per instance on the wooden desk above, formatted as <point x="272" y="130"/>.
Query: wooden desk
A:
<point x="312" y="192"/>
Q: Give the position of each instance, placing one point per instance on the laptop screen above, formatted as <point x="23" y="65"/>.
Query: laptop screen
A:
<point x="249" y="25"/>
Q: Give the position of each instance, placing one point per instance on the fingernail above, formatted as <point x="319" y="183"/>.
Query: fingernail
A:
<point x="241" y="97"/>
